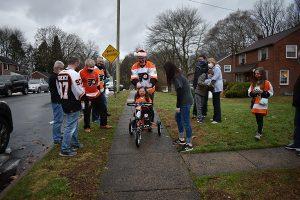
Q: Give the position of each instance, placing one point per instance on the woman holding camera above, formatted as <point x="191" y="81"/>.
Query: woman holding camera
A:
<point x="260" y="90"/>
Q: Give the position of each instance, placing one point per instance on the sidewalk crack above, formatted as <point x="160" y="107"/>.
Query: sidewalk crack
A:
<point x="247" y="159"/>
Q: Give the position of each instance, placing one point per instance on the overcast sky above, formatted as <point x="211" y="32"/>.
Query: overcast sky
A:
<point x="96" y="19"/>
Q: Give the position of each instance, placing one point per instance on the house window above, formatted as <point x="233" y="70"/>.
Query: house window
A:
<point x="242" y="58"/>
<point x="267" y="74"/>
<point x="263" y="54"/>
<point x="284" y="77"/>
<point x="291" y="51"/>
<point x="6" y="67"/>
<point x="227" y="68"/>
<point x="240" y="78"/>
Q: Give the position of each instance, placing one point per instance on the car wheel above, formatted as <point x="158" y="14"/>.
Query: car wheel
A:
<point x="25" y="91"/>
<point x="39" y="90"/>
<point x="4" y="135"/>
<point x="8" y="93"/>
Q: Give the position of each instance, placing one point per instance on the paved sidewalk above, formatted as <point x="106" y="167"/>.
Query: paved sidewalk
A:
<point x="245" y="160"/>
<point x="153" y="171"/>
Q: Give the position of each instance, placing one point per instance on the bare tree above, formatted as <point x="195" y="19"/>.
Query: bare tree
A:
<point x="6" y="35"/>
<point x="71" y="44"/>
<point x="125" y="68"/>
<point x="232" y="34"/>
<point x="293" y="14"/>
<point x="90" y="50"/>
<point x="179" y="31"/>
<point x="270" y="16"/>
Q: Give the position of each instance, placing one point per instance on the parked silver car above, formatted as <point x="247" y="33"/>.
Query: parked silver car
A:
<point x="38" y="85"/>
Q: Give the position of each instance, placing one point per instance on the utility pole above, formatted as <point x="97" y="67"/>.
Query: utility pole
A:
<point x="118" y="47"/>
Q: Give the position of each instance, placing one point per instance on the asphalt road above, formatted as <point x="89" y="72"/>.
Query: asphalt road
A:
<point x="31" y="136"/>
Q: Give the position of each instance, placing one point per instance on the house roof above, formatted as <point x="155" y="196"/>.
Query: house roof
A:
<point x="244" y="68"/>
<point x="224" y="58"/>
<point x="45" y="74"/>
<point x="270" y="40"/>
<point x="8" y="61"/>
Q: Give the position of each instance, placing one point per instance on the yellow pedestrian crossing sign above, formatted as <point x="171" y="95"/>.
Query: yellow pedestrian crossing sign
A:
<point x="110" y="53"/>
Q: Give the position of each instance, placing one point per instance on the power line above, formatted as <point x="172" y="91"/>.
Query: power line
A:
<point x="207" y="4"/>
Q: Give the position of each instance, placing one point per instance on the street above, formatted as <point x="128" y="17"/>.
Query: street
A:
<point x="31" y="136"/>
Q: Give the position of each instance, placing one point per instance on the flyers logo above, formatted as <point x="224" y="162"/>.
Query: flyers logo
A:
<point x="91" y="82"/>
<point x="101" y="77"/>
<point x="144" y="76"/>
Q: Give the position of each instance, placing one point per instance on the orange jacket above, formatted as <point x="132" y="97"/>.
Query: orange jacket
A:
<point x="91" y="82"/>
<point x="101" y="74"/>
<point x="144" y="75"/>
<point x="143" y="100"/>
<point x="257" y="107"/>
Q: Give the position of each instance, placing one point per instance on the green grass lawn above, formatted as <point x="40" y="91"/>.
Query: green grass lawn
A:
<point x="267" y="184"/>
<point x="55" y="177"/>
<point x="238" y="127"/>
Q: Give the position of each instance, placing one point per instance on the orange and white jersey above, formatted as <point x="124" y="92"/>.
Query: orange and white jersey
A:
<point x="90" y="82"/>
<point x="70" y="89"/>
<point x="144" y="74"/>
<point x="257" y="107"/>
<point x="143" y="100"/>
<point x="101" y="77"/>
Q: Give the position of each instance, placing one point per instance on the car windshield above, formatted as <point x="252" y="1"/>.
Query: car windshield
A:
<point x="34" y="81"/>
<point x="4" y="78"/>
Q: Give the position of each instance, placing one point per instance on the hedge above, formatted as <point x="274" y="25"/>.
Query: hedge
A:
<point x="236" y="89"/>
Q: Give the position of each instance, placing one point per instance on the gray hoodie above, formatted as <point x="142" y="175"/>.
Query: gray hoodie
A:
<point x="201" y="88"/>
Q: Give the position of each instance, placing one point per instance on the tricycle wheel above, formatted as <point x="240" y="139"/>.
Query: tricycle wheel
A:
<point x="159" y="128"/>
<point x="130" y="127"/>
<point x="138" y="138"/>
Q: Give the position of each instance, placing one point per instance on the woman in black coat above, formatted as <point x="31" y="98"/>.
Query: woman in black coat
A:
<point x="296" y="103"/>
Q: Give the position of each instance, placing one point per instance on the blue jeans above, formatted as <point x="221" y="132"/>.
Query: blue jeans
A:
<point x="71" y="132"/>
<point x="58" y="117"/>
<point x="183" y="122"/>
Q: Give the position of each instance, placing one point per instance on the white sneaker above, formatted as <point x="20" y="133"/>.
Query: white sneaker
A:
<point x="214" y="122"/>
<point x="258" y="136"/>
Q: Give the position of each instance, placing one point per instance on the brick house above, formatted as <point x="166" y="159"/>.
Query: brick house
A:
<point x="278" y="54"/>
<point x="40" y="75"/>
<point x="8" y="66"/>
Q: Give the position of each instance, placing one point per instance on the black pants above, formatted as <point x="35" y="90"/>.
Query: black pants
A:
<point x="204" y="107"/>
<point x="217" y="106"/>
<point x="98" y="104"/>
<point x="204" y="111"/>
<point x="260" y="122"/>
<point x="297" y="127"/>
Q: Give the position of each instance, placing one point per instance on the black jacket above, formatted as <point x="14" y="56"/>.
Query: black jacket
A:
<point x="200" y="68"/>
<point x="55" y="98"/>
<point x="296" y="96"/>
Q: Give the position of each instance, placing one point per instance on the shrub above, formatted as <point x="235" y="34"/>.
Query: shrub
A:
<point x="237" y="90"/>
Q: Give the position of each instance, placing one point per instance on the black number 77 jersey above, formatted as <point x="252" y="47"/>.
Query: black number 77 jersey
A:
<point x="69" y="87"/>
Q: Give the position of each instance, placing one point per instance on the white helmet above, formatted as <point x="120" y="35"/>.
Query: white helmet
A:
<point x="140" y="53"/>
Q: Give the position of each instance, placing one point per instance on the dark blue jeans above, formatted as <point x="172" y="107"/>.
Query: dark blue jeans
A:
<point x="58" y="117"/>
<point x="71" y="132"/>
<point x="297" y="127"/>
<point x="183" y="122"/>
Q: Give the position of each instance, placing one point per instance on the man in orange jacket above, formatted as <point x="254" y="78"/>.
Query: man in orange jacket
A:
<point x="143" y="73"/>
<point x="94" y="89"/>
